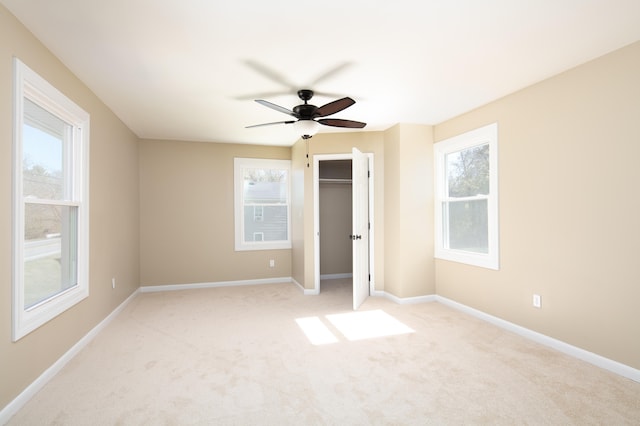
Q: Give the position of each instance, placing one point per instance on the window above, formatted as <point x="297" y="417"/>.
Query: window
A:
<point x="262" y="212"/>
<point x="258" y="213"/>
<point x="466" y="207"/>
<point x="51" y="152"/>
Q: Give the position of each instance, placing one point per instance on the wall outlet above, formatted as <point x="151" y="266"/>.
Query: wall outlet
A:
<point x="113" y="283"/>
<point x="272" y="263"/>
<point x="537" y="301"/>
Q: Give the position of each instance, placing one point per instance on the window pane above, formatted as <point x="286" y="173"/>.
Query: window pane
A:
<point x="43" y="148"/>
<point x="50" y="251"/>
<point x="265" y="186"/>
<point x="265" y="205"/>
<point x="271" y="226"/>
<point x="468" y="172"/>
<point x="468" y="225"/>
<point x="261" y="195"/>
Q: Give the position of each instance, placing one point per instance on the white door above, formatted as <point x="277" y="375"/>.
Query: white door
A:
<point x="360" y="230"/>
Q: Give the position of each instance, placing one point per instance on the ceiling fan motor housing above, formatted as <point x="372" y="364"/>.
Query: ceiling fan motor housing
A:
<point x="306" y="111"/>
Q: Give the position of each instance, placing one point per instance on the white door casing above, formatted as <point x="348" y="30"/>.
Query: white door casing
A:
<point x="369" y="252"/>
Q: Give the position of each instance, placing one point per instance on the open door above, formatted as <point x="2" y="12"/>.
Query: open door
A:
<point x="360" y="230"/>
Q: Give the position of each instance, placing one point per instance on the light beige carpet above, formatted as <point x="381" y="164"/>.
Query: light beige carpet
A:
<point x="239" y="356"/>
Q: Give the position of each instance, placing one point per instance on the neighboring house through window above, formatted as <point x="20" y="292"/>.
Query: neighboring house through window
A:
<point x="51" y="202"/>
<point x="466" y="207"/>
<point x="262" y="210"/>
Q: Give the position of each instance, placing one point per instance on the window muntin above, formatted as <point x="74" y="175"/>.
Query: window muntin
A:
<point x="467" y="198"/>
<point x="262" y="194"/>
<point x="50" y="272"/>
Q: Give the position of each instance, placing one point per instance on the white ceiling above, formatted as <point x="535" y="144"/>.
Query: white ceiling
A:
<point x="189" y="69"/>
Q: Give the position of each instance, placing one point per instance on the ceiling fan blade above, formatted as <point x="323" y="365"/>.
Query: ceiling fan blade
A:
<point x="330" y="73"/>
<point x="271" y="124"/>
<point x="335" y="106"/>
<point x="336" y="122"/>
<point x="276" y="107"/>
<point x="269" y="73"/>
<point x="285" y="93"/>
<point x="267" y="95"/>
<point x="324" y="94"/>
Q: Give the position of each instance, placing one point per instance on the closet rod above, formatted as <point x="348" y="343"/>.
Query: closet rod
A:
<point x="330" y="180"/>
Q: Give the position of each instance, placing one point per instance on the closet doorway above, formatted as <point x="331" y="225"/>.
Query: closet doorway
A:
<point x="335" y="246"/>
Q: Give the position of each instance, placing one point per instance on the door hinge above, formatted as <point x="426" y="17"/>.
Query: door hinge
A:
<point x="369" y="277"/>
<point x="368" y="173"/>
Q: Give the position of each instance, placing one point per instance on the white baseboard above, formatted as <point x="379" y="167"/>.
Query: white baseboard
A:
<point x="595" y="359"/>
<point x="306" y="291"/>
<point x="335" y="276"/>
<point x="12" y="408"/>
<point x="406" y="300"/>
<point x="174" y="287"/>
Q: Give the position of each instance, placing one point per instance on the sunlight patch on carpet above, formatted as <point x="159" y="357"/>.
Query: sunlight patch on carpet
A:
<point x="316" y="331"/>
<point x="368" y="325"/>
<point x="353" y="326"/>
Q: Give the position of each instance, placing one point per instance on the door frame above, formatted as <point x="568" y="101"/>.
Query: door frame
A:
<point x="316" y="217"/>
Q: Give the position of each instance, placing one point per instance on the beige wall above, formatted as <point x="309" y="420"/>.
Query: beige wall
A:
<point x="298" y="167"/>
<point x="113" y="216"/>
<point x="335" y="226"/>
<point x="403" y="205"/>
<point x="187" y="215"/>
<point x="568" y="149"/>
<point x="409" y="265"/>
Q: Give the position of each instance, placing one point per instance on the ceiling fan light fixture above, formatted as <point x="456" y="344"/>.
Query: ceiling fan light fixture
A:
<point x="306" y="127"/>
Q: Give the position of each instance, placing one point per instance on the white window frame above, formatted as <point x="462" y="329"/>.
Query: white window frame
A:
<point x="28" y="84"/>
<point x="481" y="136"/>
<point x="258" y="163"/>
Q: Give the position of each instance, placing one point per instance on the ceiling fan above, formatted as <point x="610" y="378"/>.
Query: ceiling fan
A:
<point x="307" y="122"/>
